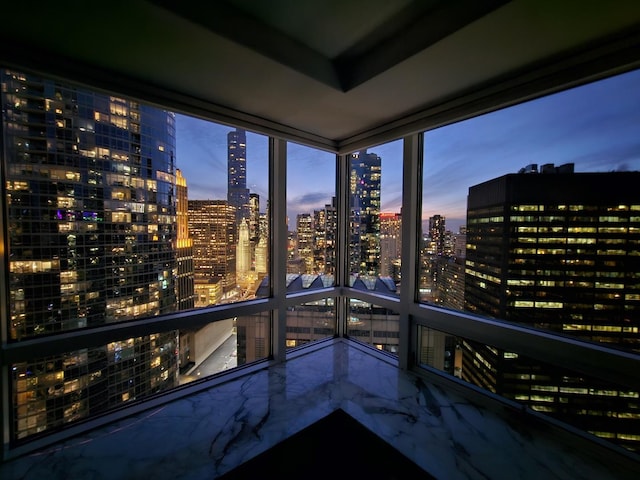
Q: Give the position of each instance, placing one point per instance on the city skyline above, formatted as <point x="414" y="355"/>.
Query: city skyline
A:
<point x="592" y="126"/>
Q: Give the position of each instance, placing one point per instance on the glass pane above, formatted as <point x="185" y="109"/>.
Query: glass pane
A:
<point x="254" y="337"/>
<point x="374" y="325"/>
<point x="604" y="409"/>
<point x="311" y="213"/>
<point x="227" y="173"/>
<point x="531" y="214"/>
<point x="118" y="210"/>
<point x="311" y="321"/>
<point x="51" y="392"/>
<point x="375" y="182"/>
<point x="208" y="350"/>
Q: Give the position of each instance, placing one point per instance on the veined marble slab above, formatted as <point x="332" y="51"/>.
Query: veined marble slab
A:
<point x="209" y="433"/>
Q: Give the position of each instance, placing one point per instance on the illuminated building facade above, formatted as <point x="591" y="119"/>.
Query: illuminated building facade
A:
<point x="390" y="244"/>
<point x="437" y="233"/>
<point x="212" y="227"/>
<point x="305" y="241"/>
<point x="559" y="251"/>
<point x="254" y="218"/>
<point x="364" y="222"/>
<point x="90" y="182"/>
<point x="324" y="248"/>
<point x="184" y="280"/>
<point x="243" y="250"/>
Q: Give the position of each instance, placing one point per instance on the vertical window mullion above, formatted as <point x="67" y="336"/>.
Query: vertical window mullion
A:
<point x="342" y="255"/>
<point x="278" y="212"/>
<point x="411" y="215"/>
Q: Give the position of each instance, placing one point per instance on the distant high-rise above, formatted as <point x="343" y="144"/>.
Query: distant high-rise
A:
<point x="324" y="245"/>
<point x="243" y="250"/>
<point x="185" y="294"/>
<point x="304" y="241"/>
<point x="390" y="244"/>
<point x="90" y="182"/>
<point x="254" y="217"/>
<point x="212" y="227"/>
<point x="364" y="221"/>
<point x="559" y="251"/>
<point x="437" y="233"/>
<point x="237" y="191"/>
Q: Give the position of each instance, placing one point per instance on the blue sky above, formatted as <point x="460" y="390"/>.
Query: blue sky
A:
<point x="596" y="127"/>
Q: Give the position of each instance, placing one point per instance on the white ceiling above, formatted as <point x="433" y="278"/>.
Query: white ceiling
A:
<point x="335" y="71"/>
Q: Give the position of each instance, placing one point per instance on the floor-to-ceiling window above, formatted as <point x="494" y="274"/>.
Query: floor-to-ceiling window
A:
<point x="531" y="215"/>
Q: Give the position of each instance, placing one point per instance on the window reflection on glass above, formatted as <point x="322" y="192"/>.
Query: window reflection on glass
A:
<point x="310" y="321"/>
<point x="222" y="345"/>
<point x="375" y="325"/>
<point x="375" y="200"/>
<point x="52" y="392"/>
<point x="311" y="214"/>
<point x="604" y="409"/>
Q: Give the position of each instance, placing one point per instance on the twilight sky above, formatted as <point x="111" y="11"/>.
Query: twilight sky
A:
<point x="596" y="127"/>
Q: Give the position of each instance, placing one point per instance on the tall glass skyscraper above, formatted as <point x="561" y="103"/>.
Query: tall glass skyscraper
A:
<point x="91" y="194"/>
<point x="237" y="192"/>
<point x="364" y="246"/>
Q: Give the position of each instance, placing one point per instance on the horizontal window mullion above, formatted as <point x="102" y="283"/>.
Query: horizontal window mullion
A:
<point x="591" y="359"/>
<point x="93" y="337"/>
<point x="311" y="296"/>
<point x="391" y="303"/>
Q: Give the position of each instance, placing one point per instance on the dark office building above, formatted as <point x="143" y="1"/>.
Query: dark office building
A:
<point x="90" y="187"/>
<point x="560" y="251"/>
<point x="237" y="191"/>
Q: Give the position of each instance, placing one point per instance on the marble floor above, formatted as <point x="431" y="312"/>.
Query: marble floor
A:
<point x="211" y="432"/>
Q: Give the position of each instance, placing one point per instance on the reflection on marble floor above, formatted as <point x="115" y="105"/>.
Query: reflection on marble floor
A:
<point x="211" y="432"/>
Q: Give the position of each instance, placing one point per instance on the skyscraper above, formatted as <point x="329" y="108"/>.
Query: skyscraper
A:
<point x="212" y="227"/>
<point x="364" y="222"/>
<point x="390" y="244"/>
<point x="560" y="251"/>
<point x="243" y="250"/>
<point x="237" y="191"/>
<point x="304" y="241"/>
<point x="437" y="233"/>
<point x="185" y="294"/>
<point x="324" y="248"/>
<point x="90" y="184"/>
